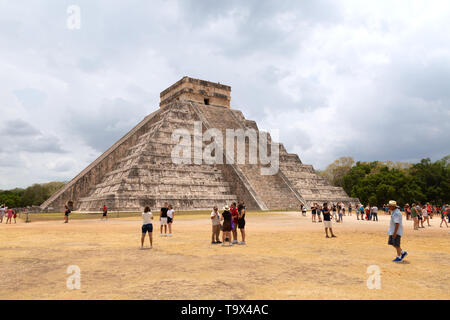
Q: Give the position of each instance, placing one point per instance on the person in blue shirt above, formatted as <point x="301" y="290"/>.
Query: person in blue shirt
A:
<point x="395" y="231"/>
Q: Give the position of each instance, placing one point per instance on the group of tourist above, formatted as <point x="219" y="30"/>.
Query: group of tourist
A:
<point x="233" y="218"/>
<point x="423" y="213"/>
<point x="166" y="216"/>
<point x="9" y="213"/>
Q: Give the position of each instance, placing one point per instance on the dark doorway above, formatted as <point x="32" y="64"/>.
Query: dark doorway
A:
<point x="207" y="102"/>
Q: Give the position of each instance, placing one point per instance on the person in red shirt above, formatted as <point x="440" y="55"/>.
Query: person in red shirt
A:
<point x="234" y="225"/>
<point x="105" y="212"/>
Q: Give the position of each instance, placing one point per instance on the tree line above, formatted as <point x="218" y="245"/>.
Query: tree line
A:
<point x="34" y="195"/>
<point x="378" y="182"/>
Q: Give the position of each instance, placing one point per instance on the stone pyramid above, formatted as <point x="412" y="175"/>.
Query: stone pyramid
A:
<point x="139" y="169"/>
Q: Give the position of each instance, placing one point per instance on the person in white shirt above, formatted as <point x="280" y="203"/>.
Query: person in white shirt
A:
<point x="2" y="212"/>
<point x="375" y="213"/>
<point x="395" y="231"/>
<point x="170" y="214"/>
<point x="215" y="219"/>
<point x="147" y="226"/>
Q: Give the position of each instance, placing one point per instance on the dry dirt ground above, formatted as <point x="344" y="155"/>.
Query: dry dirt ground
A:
<point x="286" y="257"/>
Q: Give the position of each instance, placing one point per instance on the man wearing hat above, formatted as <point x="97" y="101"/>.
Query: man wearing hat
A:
<point x="395" y="231"/>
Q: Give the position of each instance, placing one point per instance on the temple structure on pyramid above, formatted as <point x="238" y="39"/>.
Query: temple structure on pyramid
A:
<point x="138" y="170"/>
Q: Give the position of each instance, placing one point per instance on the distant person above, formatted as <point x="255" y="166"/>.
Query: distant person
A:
<point x="163" y="219"/>
<point x="15" y="215"/>
<point x="407" y="211"/>
<point x="66" y="214"/>
<point x="226" y="218"/>
<point x="395" y="231"/>
<point x="9" y="215"/>
<point x="319" y="212"/>
<point x="105" y="212"/>
<point x="426" y="215"/>
<point x="170" y="216"/>
<point x="313" y="212"/>
<point x="415" y="216"/>
<point x="303" y="208"/>
<point x="420" y="215"/>
<point x="327" y="220"/>
<point x="2" y="212"/>
<point x="375" y="213"/>
<point x="341" y="214"/>
<point x="361" y="211"/>
<point x="444" y="213"/>
<point x="234" y="221"/>
<point x="241" y="221"/>
<point x="215" y="220"/>
<point x="350" y="209"/>
<point x="334" y="210"/>
<point x="147" y="226"/>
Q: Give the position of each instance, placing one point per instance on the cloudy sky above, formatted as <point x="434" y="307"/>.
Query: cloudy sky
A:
<point x="367" y="79"/>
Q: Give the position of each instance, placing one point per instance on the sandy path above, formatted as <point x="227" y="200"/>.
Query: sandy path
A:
<point x="287" y="257"/>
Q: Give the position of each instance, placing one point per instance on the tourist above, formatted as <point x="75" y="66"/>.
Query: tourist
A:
<point x="407" y="211"/>
<point x="375" y="213"/>
<point x="443" y="214"/>
<point x="334" y="209"/>
<point x="226" y="218"/>
<point x="395" y="231"/>
<point x="341" y="213"/>
<point x="414" y="216"/>
<point x="313" y="212"/>
<point x="15" y="215"/>
<point x="425" y="215"/>
<point x="420" y="216"/>
<point x="170" y="216"/>
<point x="303" y="207"/>
<point x="319" y="211"/>
<point x="215" y="219"/>
<point x="2" y="212"/>
<point x="105" y="212"/>
<point x="367" y="212"/>
<point x="350" y="209"/>
<point x="66" y="214"/>
<point x="327" y="220"/>
<point x="9" y="214"/>
<point x="147" y="226"/>
<point x="361" y="211"/>
<point x="241" y="221"/>
<point x="163" y="219"/>
<point x="234" y="221"/>
<point x="429" y="212"/>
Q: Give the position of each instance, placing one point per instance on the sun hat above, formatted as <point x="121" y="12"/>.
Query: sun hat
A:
<point x="226" y="208"/>
<point x="392" y="203"/>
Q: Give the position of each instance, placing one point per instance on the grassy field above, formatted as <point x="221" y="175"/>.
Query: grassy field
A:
<point x="286" y="257"/>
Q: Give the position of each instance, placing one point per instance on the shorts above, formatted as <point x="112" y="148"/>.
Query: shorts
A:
<point x="394" y="242"/>
<point x="169" y="220"/>
<point x="241" y="224"/>
<point x="164" y="221"/>
<point x="327" y="224"/>
<point x="227" y="226"/>
<point x="147" y="228"/>
<point x="105" y="213"/>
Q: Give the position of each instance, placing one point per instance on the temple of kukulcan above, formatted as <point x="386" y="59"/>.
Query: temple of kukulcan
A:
<point x="139" y="169"/>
